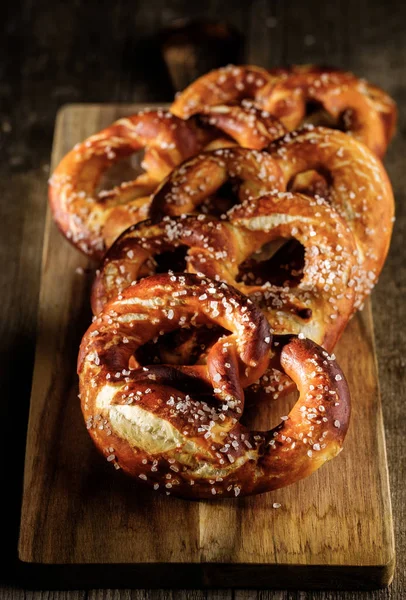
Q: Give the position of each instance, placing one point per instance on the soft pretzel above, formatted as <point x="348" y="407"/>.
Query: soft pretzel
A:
<point x="81" y="213"/>
<point x="189" y="187"/>
<point x="355" y="182"/>
<point x="227" y="85"/>
<point x="177" y="428"/>
<point x="359" y="189"/>
<point x="319" y="306"/>
<point x="92" y="220"/>
<point x="339" y="99"/>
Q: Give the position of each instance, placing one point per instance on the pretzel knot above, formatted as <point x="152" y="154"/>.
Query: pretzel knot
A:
<point x="245" y="125"/>
<point x="299" y="95"/>
<point x="358" y="188"/>
<point x="177" y="427"/>
<point x="86" y="216"/>
<point x="197" y="184"/>
<point x="336" y="99"/>
<point x="92" y="220"/>
<point x="227" y="85"/>
<point x="354" y="180"/>
<point x="319" y="305"/>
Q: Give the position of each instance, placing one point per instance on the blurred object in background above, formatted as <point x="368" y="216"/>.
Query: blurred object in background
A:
<point x="191" y="48"/>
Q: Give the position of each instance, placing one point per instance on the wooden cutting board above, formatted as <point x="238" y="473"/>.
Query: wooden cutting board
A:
<point x="83" y="523"/>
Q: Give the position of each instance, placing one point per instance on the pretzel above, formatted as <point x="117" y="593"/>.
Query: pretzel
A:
<point x="176" y="428"/>
<point x="136" y="253"/>
<point x="359" y="189"/>
<point x="247" y="125"/>
<point x="92" y="220"/>
<point x="339" y="99"/>
<point x="227" y="85"/>
<point x="81" y="213"/>
<point x="191" y="186"/>
<point x="319" y="306"/>
<point x="357" y="185"/>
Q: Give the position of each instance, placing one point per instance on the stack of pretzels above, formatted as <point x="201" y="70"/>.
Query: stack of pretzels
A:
<point x="228" y="270"/>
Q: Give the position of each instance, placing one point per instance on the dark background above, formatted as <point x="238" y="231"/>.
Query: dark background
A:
<point x="54" y="53"/>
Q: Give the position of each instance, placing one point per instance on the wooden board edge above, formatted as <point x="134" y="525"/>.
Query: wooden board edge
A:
<point x="25" y="554"/>
<point x="385" y="481"/>
<point x="206" y="576"/>
<point x="135" y="106"/>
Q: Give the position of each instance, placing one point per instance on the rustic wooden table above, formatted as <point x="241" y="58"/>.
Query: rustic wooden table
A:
<point x="58" y="52"/>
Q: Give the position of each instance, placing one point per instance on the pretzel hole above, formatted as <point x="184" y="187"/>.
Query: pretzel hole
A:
<point x="170" y="260"/>
<point x="280" y="263"/>
<point x="347" y="120"/>
<point x="312" y="183"/>
<point x="316" y="114"/>
<point x="223" y="200"/>
<point x="263" y="412"/>
<point x="124" y="169"/>
<point x="185" y="346"/>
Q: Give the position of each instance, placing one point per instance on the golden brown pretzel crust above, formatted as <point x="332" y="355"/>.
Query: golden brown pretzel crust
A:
<point x="227" y="85"/>
<point x="359" y="189"/>
<point x="186" y="188"/>
<point x="247" y="125"/>
<point x="92" y="220"/>
<point x="319" y="306"/>
<point x="357" y="184"/>
<point x="342" y="100"/>
<point x="361" y="109"/>
<point x="80" y="212"/>
<point x="177" y="429"/>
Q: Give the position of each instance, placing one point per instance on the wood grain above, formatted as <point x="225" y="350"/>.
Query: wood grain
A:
<point x="53" y="53"/>
<point x="77" y="511"/>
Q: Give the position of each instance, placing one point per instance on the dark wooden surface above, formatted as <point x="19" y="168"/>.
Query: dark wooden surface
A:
<point x="58" y="52"/>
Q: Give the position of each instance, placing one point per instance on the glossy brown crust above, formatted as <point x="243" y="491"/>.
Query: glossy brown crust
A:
<point x="92" y="220"/>
<point x="165" y="427"/>
<point x="187" y="188"/>
<point x="358" y="107"/>
<point x="227" y="85"/>
<point x="80" y="212"/>
<point x="319" y="306"/>
<point x="247" y="125"/>
<point x="340" y="99"/>
<point x="358" y="187"/>
<point x="353" y="179"/>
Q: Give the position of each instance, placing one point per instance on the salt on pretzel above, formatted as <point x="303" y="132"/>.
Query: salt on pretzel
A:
<point x="354" y="105"/>
<point x="359" y="189"/>
<point x="357" y="185"/>
<point x="177" y="428"/>
<point x="92" y="220"/>
<point x="80" y="212"/>
<point x="339" y="99"/>
<point x="245" y="124"/>
<point x="188" y="187"/>
<point x="227" y="85"/>
<point x="318" y="307"/>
